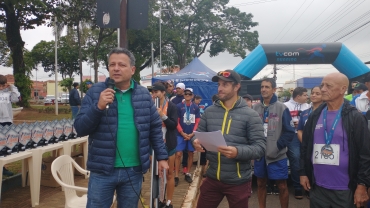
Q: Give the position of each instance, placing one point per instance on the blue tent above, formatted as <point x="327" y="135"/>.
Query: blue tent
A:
<point x="198" y="76"/>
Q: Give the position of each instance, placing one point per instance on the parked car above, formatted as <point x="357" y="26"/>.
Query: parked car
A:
<point x="49" y="100"/>
<point x="64" y="98"/>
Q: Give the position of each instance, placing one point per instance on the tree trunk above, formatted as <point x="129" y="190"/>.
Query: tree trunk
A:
<point x="16" y="45"/>
<point x="182" y="60"/>
<point x="96" y="50"/>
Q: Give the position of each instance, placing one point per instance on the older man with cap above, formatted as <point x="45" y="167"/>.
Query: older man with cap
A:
<point x="189" y="116"/>
<point x="335" y="151"/>
<point x="229" y="173"/>
<point x="180" y="87"/>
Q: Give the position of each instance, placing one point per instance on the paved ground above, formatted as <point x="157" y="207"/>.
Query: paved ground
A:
<point x="54" y="197"/>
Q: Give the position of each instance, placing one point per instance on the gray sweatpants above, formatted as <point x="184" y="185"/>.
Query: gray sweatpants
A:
<point x="325" y="198"/>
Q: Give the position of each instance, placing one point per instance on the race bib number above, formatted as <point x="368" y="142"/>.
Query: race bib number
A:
<point x="326" y="155"/>
<point x="191" y="119"/>
<point x="265" y="128"/>
<point x="4" y="97"/>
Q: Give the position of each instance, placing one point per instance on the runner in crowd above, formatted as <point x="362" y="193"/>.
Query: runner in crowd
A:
<point x="188" y="121"/>
<point x="249" y="99"/>
<point x="296" y="105"/>
<point x="335" y="153"/>
<point x="168" y="114"/>
<point x="180" y="87"/>
<point x="350" y="96"/>
<point x="170" y="89"/>
<point x="279" y="132"/>
<point x="361" y="101"/>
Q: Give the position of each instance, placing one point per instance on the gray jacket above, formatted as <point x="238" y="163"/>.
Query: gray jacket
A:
<point x="280" y="129"/>
<point x="242" y="128"/>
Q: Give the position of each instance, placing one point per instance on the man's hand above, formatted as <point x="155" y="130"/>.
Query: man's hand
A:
<point x="162" y="165"/>
<point x="197" y="146"/>
<point x="106" y="97"/>
<point x="305" y="182"/>
<point x="361" y="196"/>
<point x="229" y="151"/>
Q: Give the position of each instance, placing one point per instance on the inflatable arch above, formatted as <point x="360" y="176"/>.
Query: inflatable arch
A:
<point x="336" y="54"/>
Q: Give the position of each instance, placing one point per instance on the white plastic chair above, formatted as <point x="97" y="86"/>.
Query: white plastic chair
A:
<point x="62" y="170"/>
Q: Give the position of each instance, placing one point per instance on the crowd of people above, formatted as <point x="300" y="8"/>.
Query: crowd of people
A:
<point x="324" y="141"/>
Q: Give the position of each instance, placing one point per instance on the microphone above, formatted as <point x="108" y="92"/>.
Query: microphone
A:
<point x="111" y="85"/>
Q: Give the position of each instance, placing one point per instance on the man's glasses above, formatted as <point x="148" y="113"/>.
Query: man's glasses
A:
<point x="188" y="94"/>
<point x="224" y="74"/>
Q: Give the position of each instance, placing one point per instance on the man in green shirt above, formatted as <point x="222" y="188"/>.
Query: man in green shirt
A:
<point x="122" y="123"/>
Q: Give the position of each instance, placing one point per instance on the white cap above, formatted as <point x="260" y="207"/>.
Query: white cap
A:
<point x="189" y="89"/>
<point x="180" y="85"/>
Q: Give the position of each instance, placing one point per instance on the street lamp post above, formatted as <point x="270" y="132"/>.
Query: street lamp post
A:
<point x="160" y="36"/>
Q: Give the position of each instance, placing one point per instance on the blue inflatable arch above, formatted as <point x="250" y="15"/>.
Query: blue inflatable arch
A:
<point x="336" y="54"/>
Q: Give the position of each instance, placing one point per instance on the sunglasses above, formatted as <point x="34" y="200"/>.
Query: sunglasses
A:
<point x="224" y="74"/>
<point x="188" y="94"/>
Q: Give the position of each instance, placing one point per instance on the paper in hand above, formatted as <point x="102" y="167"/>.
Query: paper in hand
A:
<point x="211" y="140"/>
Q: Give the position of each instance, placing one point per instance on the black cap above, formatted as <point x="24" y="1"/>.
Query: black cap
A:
<point x="360" y="86"/>
<point x="158" y="86"/>
<point x="228" y="76"/>
<point x="248" y="96"/>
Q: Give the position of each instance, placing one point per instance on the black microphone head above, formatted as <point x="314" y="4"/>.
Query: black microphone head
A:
<point x="111" y="83"/>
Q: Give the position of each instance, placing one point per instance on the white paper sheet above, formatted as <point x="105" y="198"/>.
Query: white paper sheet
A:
<point x="211" y="140"/>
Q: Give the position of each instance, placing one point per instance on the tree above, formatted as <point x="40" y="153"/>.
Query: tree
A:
<point x="100" y="42"/>
<point x="4" y="49"/>
<point x="66" y="83"/>
<point x="43" y="53"/>
<point x="192" y="26"/>
<point x="17" y="15"/>
<point x="77" y="14"/>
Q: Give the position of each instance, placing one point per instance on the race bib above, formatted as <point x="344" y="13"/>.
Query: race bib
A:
<point x="191" y="119"/>
<point x="326" y="155"/>
<point x="265" y="128"/>
<point x="5" y="97"/>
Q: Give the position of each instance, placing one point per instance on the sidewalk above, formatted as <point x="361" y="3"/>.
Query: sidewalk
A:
<point x="54" y="197"/>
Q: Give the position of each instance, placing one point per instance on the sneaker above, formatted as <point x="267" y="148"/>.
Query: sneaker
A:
<point x="188" y="178"/>
<point x="176" y="181"/>
<point x="161" y="204"/>
<point x="298" y="194"/>
<point x="6" y="172"/>
<point x="275" y="190"/>
<point x="268" y="190"/>
<point x="185" y="170"/>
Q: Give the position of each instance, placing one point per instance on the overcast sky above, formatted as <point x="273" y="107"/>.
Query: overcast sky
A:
<point x="280" y="21"/>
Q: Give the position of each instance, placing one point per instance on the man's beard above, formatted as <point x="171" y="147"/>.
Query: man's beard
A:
<point x="226" y="97"/>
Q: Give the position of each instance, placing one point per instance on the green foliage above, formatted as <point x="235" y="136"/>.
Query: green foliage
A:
<point x="24" y="84"/>
<point x="16" y="15"/>
<point x="67" y="83"/>
<point x="44" y="54"/>
<point x="83" y="86"/>
<point x="4" y="49"/>
<point x="284" y="93"/>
